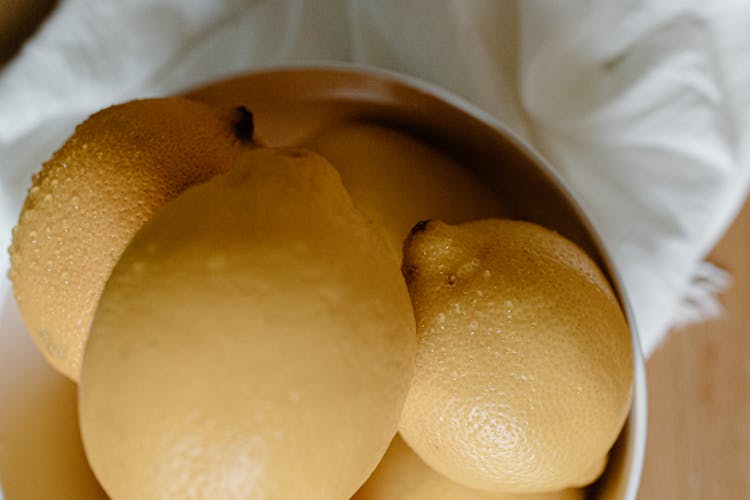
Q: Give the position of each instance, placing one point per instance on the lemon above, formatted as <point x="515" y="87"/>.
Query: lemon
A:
<point x="255" y="340"/>
<point x="88" y="200"/>
<point x="402" y="475"/>
<point x="523" y="372"/>
<point x="397" y="179"/>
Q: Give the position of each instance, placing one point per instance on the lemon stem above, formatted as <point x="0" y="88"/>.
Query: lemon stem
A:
<point x="244" y="127"/>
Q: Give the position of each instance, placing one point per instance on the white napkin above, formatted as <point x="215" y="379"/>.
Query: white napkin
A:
<point x="643" y="106"/>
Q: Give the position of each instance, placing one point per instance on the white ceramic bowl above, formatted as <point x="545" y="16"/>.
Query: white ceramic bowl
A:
<point x="40" y="451"/>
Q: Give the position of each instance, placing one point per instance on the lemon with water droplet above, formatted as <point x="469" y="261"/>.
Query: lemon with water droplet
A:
<point x="524" y="387"/>
<point x="255" y="340"/>
<point x="119" y="167"/>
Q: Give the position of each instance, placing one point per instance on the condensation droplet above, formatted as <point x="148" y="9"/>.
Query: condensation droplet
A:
<point x="27" y="215"/>
<point x="468" y="268"/>
<point x="486" y="274"/>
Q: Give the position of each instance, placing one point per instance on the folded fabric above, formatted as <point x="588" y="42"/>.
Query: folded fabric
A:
<point x="642" y="106"/>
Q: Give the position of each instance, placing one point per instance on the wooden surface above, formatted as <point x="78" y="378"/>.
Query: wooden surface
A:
<point x="699" y="380"/>
<point x="699" y="394"/>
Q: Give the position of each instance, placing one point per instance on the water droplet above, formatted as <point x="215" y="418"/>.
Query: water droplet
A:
<point x="486" y="274"/>
<point x="75" y="200"/>
<point x="32" y="237"/>
<point x="468" y="268"/>
<point x="473" y="326"/>
<point x="27" y="215"/>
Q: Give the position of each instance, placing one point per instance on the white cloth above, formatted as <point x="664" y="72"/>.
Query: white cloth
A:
<point x="642" y="106"/>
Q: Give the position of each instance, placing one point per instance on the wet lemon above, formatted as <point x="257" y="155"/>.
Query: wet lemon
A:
<point x="115" y="171"/>
<point x="255" y="340"/>
<point x="523" y="372"/>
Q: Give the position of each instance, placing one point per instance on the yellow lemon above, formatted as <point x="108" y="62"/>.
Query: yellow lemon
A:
<point x="523" y="372"/>
<point x="255" y="340"/>
<point x="88" y="200"/>
<point x="402" y="475"/>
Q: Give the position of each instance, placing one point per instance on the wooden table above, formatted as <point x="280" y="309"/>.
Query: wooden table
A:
<point x="699" y="394"/>
<point x="699" y="379"/>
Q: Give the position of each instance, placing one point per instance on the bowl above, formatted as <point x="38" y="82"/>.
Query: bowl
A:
<point x="40" y="451"/>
